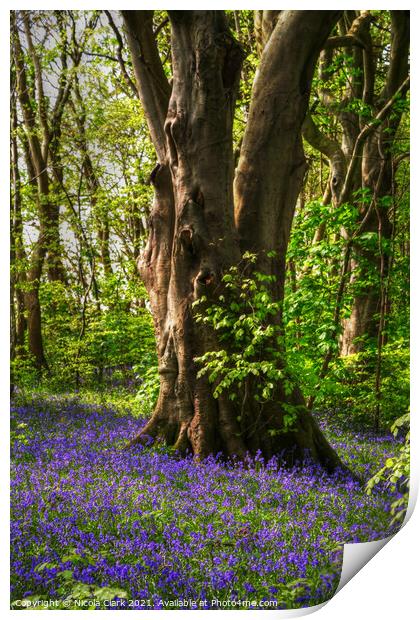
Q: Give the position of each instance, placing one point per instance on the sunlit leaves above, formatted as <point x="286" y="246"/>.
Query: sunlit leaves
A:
<point x="244" y="319"/>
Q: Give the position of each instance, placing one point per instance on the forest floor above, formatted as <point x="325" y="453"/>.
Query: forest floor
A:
<point x="96" y="525"/>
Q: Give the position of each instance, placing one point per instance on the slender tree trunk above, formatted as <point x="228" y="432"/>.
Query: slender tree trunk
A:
<point x="101" y="218"/>
<point x="33" y="308"/>
<point x="363" y="324"/>
<point x="44" y="152"/>
<point x="196" y="233"/>
<point x="17" y="250"/>
<point x="55" y="269"/>
<point x="48" y="222"/>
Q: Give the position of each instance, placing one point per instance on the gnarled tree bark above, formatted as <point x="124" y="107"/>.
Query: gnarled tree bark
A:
<point x="202" y="222"/>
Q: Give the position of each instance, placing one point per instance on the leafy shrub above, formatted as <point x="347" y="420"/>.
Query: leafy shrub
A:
<point x="24" y="372"/>
<point x="246" y="319"/>
<point x="350" y="385"/>
<point x="100" y="347"/>
<point x="395" y="473"/>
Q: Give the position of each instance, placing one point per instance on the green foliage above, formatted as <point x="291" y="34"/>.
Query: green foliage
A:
<point x="315" y="271"/>
<point x="148" y="375"/>
<point x="96" y="325"/>
<point x="97" y="348"/>
<point x="350" y="385"/>
<point x="246" y="322"/>
<point x="24" y="372"/>
<point x="395" y="473"/>
<point x="71" y="593"/>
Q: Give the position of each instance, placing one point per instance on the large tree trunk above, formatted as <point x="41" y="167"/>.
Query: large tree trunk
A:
<point x="194" y="234"/>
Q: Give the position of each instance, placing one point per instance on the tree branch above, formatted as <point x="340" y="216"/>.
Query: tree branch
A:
<point x="42" y="107"/>
<point x="152" y="84"/>
<point x="398" y="64"/>
<point x="264" y="204"/>
<point x="26" y="105"/>
<point x="347" y="40"/>
<point x="264" y="24"/>
<point x="365" y="133"/>
<point x="358" y="36"/>
<point x="120" y="58"/>
<point x="331" y="149"/>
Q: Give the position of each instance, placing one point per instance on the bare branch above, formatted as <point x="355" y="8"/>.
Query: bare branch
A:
<point x="120" y="58"/>
<point x="161" y="26"/>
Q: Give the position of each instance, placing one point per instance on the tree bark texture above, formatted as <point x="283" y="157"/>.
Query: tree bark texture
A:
<point x="202" y="221"/>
